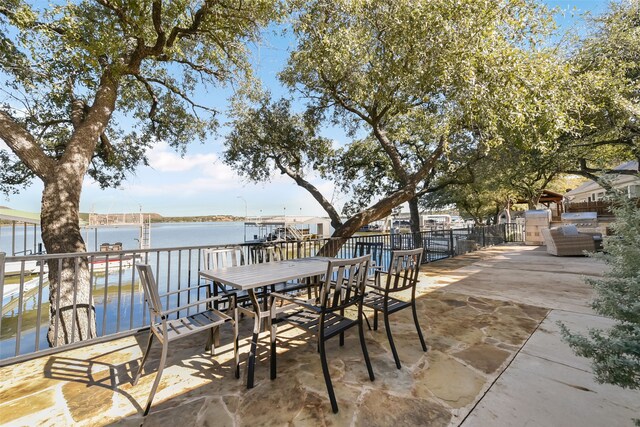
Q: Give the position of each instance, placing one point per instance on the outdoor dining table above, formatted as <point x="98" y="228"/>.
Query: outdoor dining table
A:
<point x="256" y="276"/>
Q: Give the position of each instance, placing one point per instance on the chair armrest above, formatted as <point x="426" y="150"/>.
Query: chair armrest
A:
<point x="294" y="300"/>
<point x="190" y="288"/>
<point x="592" y="234"/>
<point x="165" y="313"/>
<point x="376" y="287"/>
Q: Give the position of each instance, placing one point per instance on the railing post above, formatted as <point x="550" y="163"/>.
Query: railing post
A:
<point x="2" y="255"/>
<point x="483" y="236"/>
<point x="504" y="229"/>
<point x="452" y="249"/>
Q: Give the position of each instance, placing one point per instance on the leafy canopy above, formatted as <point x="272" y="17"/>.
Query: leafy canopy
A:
<point x="53" y="60"/>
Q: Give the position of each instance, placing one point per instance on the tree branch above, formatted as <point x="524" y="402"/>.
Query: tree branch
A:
<point x="313" y="190"/>
<point x="591" y="173"/>
<point x="25" y="147"/>
<point x="181" y="94"/>
<point x="392" y="153"/>
<point x="154" y="102"/>
<point x="178" y="32"/>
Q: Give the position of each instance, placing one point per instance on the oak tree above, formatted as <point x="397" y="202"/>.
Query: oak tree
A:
<point x="89" y="85"/>
<point x="417" y="79"/>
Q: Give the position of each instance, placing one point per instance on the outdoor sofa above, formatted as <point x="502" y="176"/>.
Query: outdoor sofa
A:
<point x="568" y="241"/>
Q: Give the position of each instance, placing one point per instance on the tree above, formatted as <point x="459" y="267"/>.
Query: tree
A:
<point x="270" y="137"/>
<point x="615" y="353"/>
<point x="70" y="69"/>
<point x="418" y="77"/>
<point x="607" y="84"/>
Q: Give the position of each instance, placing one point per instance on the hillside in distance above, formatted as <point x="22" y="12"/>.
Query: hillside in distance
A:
<point x="134" y="218"/>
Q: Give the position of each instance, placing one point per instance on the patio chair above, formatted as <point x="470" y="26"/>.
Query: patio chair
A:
<point x="568" y="241"/>
<point x="342" y="289"/>
<point x="213" y="258"/>
<point x="168" y="330"/>
<point x="375" y="249"/>
<point x="401" y="276"/>
<point x="222" y="257"/>
<point x="260" y="254"/>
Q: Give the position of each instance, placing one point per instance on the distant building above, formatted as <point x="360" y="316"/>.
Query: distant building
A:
<point x="591" y="191"/>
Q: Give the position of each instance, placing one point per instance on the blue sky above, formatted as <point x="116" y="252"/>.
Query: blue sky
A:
<point x="200" y="184"/>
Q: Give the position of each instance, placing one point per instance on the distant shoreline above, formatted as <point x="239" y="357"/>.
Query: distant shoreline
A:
<point x="133" y="219"/>
<point x="204" y="218"/>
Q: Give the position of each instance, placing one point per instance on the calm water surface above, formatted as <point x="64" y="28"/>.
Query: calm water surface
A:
<point x="120" y="304"/>
<point x="163" y="235"/>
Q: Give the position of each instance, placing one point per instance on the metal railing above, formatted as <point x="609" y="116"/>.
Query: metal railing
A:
<point x="118" y="300"/>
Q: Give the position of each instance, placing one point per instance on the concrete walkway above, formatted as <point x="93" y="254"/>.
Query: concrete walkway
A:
<point x="546" y="384"/>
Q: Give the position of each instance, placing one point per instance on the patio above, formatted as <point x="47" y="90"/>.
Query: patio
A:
<point x="495" y="358"/>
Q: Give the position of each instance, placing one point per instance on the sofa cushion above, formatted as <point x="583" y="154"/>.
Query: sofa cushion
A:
<point x="569" y="230"/>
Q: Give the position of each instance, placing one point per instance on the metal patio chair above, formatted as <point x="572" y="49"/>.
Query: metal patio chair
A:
<point x="167" y="330"/>
<point x="265" y="253"/>
<point x="375" y="250"/>
<point x="401" y="276"/>
<point x="213" y="258"/>
<point x="342" y="289"/>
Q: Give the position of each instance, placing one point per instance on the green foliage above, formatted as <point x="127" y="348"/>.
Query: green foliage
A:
<point x="607" y="88"/>
<point x="270" y="137"/>
<point x="579" y="117"/>
<point x="13" y="175"/>
<point x="55" y="57"/>
<point x="615" y="353"/>
<point x="416" y="76"/>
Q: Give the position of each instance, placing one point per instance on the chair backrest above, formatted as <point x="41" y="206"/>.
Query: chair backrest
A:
<point x="403" y="269"/>
<point x="370" y="248"/>
<point x="260" y="254"/>
<point x="213" y="258"/>
<point x="152" y="296"/>
<point x="344" y="283"/>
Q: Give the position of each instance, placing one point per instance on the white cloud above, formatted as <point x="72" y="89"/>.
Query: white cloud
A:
<point x="163" y="159"/>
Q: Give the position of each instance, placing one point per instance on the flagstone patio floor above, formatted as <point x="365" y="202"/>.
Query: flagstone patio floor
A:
<point x="495" y="358"/>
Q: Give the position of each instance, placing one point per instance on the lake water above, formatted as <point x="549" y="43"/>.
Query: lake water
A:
<point x="163" y="235"/>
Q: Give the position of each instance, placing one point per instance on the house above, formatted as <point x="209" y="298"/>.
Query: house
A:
<point x="591" y="191"/>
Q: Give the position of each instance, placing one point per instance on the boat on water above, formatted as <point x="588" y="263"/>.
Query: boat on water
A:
<point x="15" y="268"/>
<point x="113" y="259"/>
<point x="285" y="228"/>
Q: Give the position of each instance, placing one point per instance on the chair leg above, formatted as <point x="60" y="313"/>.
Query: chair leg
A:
<point x="144" y="359"/>
<point x="367" y="320"/>
<point x="375" y="320"/>
<point x="415" y="320"/>
<point x="363" y="344"/>
<point x="156" y="382"/>
<point x="235" y="340"/>
<point x="272" y="359"/>
<point x="215" y="339"/>
<point x="252" y="351"/>
<point x="327" y="377"/>
<point x="391" y="344"/>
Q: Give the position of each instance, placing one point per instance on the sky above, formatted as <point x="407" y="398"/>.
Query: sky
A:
<point x="199" y="183"/>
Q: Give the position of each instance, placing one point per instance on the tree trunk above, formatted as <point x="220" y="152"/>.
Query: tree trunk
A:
<point x="414" y="211"/>
<point x="72" y="312"/>
<point x="378" y="211"/>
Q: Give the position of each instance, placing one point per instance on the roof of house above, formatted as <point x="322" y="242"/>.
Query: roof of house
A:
<point x="592" y="185"/>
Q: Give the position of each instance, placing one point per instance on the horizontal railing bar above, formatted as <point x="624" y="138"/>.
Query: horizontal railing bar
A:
<point x="78" y="344"/>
